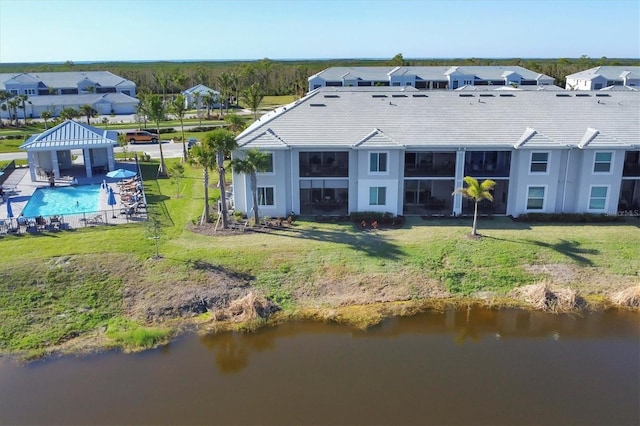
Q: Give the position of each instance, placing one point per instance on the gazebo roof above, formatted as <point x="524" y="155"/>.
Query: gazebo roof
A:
<point x="71" y="135"/>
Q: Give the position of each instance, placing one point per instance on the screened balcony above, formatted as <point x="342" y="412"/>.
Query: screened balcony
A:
<point x="487" y="164"/>
<point x="429" y="164"/>
<point x="324" y="164"/>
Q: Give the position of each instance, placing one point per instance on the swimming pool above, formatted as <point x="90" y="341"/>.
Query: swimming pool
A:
<point x="63" y="200"/>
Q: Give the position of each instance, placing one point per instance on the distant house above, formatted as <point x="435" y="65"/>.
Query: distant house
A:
<point x="404" y="151"/>
<point x="196" y="93"/>
<point x="51" y="151"/>
<point x="107" y="93"/>
<point x="603" y="77"/>
<point x="423" y="78"/>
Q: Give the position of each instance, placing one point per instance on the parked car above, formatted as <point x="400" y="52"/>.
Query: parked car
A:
<point x="141" y="136"/>
<point x="191" y="142"/>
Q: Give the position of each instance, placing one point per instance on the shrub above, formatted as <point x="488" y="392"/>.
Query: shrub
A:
<point x="567" y="218"/>
<point x="380" y="218"/>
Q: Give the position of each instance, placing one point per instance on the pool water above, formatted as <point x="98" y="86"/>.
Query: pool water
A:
<point x="63" y="200"/>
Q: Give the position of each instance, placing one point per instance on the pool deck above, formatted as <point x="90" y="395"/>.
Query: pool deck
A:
<point x="20" y="182"/>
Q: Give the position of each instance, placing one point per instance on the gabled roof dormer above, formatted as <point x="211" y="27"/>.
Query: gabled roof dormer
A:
<point x="376" y="139"/>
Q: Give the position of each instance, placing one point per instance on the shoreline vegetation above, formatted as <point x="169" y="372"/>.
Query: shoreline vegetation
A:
<point x="102" y="288"/>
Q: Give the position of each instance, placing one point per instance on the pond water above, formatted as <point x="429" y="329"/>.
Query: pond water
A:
<point x="456" y="367"/>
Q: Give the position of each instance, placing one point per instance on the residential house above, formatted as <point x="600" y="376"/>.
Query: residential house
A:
<point x="193" y="97"/>
<point x="605" y="76"/>
<point x="423" y="77"/>
<point x="404" y="151"/>
<point x="107" y="93"/>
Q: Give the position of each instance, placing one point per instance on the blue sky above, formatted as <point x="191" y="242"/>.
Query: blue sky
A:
<point x="98" y="30"/>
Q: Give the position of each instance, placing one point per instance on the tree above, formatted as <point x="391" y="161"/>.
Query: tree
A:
<point x="178" y="107"/>
<point x="205" y="157"/>
<point x="253" y="96"/>
<point x="45" y="115"/>
<point x="24" y="100"/>
<point x="68" y="114"/>
<point x="196" y="99"/>
<point x="209" y="99"/>
<point x="157" y="113"/>
<point x="398" y="61"/>
<point x="176" y="172"/>
<point x="225" y="81"/>
<point x="235" y="123"/>
<point x="222" y="142"/>
<point x="254" y="162"/>
<point x="88" y="111"/>
<point x="477" y="192"/>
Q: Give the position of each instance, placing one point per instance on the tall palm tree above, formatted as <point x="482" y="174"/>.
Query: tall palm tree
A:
<point x="45" y="115"/>
<point x="68" y="113"/>
<point x="11" y="105"/>
<point x="477" y="192"/>
<point x="88" y="111"/>
<point x="178" y="107"/>
<point x="196" y="99"/>
<point x="209" y="99"/>
<point x="157" y="112"/>
<point x="254" y="162"/>
<point x="225" y="82"/>
<point x="235" y="123"/>
<point x="222" y="142"/>
<point x="24" y="100"/>
<point x="253" y="96"/>
<point x="205" y="157"/>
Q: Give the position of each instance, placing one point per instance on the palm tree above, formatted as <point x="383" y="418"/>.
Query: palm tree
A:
<point x="235" y="123"/>
<point x="88" y="111"/>
<point x="205" y="157"/>
<point x="178" y="107"/>
<point x="45" y="115"/>
<point x="222" y="142"/>
<point x="24" y="99"/>
<point x="225" y="82"/>
<point x="209" y="99"/>
<point x="253" y="96"/>
<point x="477" y="192"/>
<point x="68" y="113"/>
<point x="196" y="99"/>
<point x="254" y="162"/>
<point x="157" y="113"/>
<point x="11" y="105"/>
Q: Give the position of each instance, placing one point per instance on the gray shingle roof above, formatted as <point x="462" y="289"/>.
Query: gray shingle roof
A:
<point x="609" y="72"/>
<point x="445" y="119"/>
<point x="89" y="99"/>
<point x="68" y="79"/>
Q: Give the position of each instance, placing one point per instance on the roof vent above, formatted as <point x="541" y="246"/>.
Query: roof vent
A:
<point x="317" y="105"/>
<point x="378" y="96"/>
<point x="465" y="95"/>
<point x="507" y="95"/>
<point x="602" y="95"/>
<point x="486" y="95"/>
<point x="419" y="95"/>
<point x="563" y="95"/>
<point x="582" y="95"/>
<point x="399" y="96"/>
<point x="331" y="96"/>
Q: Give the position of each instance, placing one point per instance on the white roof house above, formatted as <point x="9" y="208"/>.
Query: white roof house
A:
<point x="196" y="93"/>
<point x="428" y="77"/>
<point x="556" y="146"/>
<point x="50" y="151"/>
<point x="54" y="91"/>
<point x="603" y="77"/>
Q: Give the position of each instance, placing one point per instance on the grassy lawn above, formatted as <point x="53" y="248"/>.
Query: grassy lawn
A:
<point x="55" y="286"/>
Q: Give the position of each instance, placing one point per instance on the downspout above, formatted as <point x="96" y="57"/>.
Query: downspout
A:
<point x="566" y="177"/>
<point x="291" y="179"/>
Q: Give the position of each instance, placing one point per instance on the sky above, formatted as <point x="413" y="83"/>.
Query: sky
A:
<point x="142" y="30"/>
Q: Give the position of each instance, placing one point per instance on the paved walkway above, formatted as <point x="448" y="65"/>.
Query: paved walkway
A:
<point x="20" y="188"/>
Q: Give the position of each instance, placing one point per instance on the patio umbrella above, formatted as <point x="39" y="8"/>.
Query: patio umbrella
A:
<point x="112" y="201"/>
<point x="121" y="174"/>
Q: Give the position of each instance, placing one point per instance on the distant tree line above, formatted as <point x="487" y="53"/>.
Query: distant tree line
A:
<point x="286" y="77"/>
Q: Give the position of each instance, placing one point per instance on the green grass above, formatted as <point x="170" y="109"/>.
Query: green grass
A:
<point x="46" y="301"/>
<point x="130" y="335"/>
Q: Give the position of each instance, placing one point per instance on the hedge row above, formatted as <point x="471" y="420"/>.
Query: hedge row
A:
<point x="567" y="218"/>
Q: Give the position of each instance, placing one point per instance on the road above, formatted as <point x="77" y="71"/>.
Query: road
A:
<point x="169" y="150"/>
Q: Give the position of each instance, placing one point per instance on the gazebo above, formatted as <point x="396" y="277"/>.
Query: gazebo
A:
<point x="51" y="151"/>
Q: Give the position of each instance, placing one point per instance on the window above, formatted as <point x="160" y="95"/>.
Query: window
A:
<point x="602" y="163"/>
<point x="377" y="196"/>
<point x="535" y="197"/>
<point x="378" y="162"/>
<point x="598" y="198"/>
<point x="269" y="168"/>
<point x="539" y="162"/>
<point x="266" y="196"/>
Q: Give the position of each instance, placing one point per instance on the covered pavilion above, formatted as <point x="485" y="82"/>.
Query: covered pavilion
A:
<point x="50" y="152"/>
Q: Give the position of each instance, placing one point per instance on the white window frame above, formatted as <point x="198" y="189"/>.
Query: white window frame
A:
<point x="265" y="187"/>
<point x="606" y="198"/>
<point x="544" y="198"/>
<point x="378" y="172"/>
<point x="531" y="162"/>
<point x="378" y="188"/>
<point x="273" y="166"/>
<point x="595" y="154"/>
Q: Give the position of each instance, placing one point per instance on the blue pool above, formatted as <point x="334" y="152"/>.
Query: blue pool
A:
<point x="63" y="200"/>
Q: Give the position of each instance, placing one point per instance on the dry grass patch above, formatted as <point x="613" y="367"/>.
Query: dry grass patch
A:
<point x="546" y="298"/>
<point x="627" y="298"/>
<point x="249" y="308"/>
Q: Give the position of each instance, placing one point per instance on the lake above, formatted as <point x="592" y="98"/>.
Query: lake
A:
<point x="455" y="367"/>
